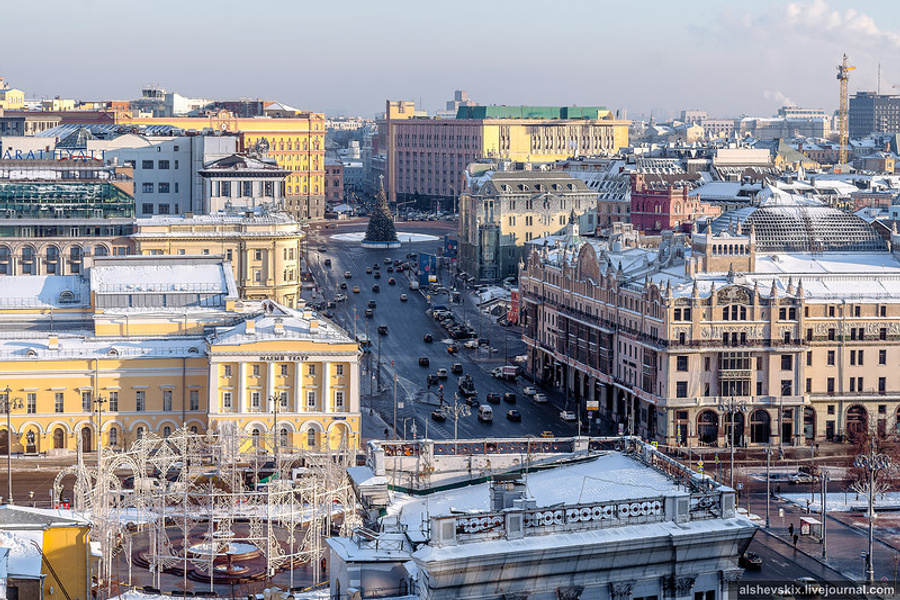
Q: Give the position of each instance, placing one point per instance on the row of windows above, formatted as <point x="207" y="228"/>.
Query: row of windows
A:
<point x="256" y="400"/>
<point x="162" y="165"/>
<point x="163" y="187"/>
<point x="162" y="209"/>
<point x="283" y="370"/>
<point x="111" y="401"/>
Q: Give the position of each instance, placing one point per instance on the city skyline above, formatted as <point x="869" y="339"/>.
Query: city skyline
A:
<point x="722" y="57"/>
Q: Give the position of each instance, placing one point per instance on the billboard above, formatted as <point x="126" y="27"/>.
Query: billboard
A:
<point x="427" y="268"/>
<point x="451" y="247"/>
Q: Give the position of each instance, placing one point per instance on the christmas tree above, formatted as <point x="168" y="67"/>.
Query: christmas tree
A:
<point x="381" y="223"/>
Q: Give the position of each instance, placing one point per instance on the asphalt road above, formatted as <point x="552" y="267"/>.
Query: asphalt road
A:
<point x="401" y="348"/>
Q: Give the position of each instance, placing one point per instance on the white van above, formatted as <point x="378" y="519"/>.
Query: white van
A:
<point x="485" y="414"/>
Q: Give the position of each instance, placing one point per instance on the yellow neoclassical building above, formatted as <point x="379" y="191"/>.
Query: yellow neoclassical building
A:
<point x="146" y="344"/>
<point x="262" y="247"/>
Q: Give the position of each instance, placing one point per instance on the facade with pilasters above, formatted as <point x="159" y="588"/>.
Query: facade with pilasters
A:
<point x="149" y="344"/>
<point x="778" y="324"/>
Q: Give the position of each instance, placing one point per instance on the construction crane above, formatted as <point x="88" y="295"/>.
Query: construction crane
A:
<point x="844" y="77"/>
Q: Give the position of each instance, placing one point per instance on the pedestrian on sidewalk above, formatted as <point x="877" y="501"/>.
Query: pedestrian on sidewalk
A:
<point x="796" y="538"/>
<point x="791" y="529"/>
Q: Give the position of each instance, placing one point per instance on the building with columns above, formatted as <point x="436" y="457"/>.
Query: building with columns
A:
<point x="778" y="324"/>
<point x="148" y="344"/>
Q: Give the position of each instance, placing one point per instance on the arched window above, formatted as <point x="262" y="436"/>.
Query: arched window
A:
<point x="283" y="437"/>
<point x="113" y="436"/>
<point x="256" y="433"/>
<point x="139" y="433"/>
<point x="101" y="251"/>
<point x="311" y="438"/>
<point x="52" y="261"/>
<point x="4" y="261"/>
<point x="28" y="266"/>
<point x="194" y="429"/>
<point x="59" y="438"/>
<point x="75" y="259"/>
<point x="167" y="431"/>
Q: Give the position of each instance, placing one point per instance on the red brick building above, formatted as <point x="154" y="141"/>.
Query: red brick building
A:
<point x="663" y="202"/>
<point x="334" y="182"/>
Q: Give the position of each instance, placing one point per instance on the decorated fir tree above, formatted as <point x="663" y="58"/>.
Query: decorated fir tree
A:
<point x="381" y="223"/>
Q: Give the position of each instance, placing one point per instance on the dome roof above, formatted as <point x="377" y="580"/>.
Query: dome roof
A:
<point x="786" y="223"/>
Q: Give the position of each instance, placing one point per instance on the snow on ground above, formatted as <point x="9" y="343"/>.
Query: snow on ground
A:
<point x="843" y="501"/>
<point x="24" y="558"/>
<point x="403" y="236"/>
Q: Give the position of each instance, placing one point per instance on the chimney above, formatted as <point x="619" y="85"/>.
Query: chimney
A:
<point x="53" y="343"/>
<point x="251" y="326"/>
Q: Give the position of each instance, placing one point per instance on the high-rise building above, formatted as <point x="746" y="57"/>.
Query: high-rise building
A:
<point x="873" y="113"/>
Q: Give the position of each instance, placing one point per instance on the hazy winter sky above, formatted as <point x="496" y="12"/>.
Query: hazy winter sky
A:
<point x="347" y="57"/>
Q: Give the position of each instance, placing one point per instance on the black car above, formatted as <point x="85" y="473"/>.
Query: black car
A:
<point x="328" y="313"/>
<point x="377" y="274"/>
<point x="751" y="561"/>
<point x="376" y="266"/>
<point x="376" y="288"/>
<point x="392" y="281"/>
<point x="372" y="304"/>
<point x="456" y="369"/>
<point x="428" y="339"/>
<point x="368" y="270"/>
<point x="509" y="397"/>
<point x="343" y="285"/>
<point x="423" y="361"/>
<point x="327" y="262"/>
<point x="323" y="249"/>
<point x="369" y="313"/>
<point x="514" y="415"/>
<point x="438" y="416"/>
<point x="382" y="330"/>
<point x="493" y="398"/>
<point x="390" y="269"/>
<point x="473" y="401"/>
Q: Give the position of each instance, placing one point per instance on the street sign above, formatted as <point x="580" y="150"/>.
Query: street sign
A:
<point x="592" y="405"/>
<point x="740" y="486"/>
<point x="590" y="414"/>
<point x="700" y="463"/>
<point x="700" y="469"/>
<point x="717" y="459"/>
<point x="400" y="405"/>
<point x="621" y="429"/>
<point x="655" y="444"/>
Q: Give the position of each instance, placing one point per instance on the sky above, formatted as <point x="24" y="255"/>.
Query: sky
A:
<point x="726" y="57"/>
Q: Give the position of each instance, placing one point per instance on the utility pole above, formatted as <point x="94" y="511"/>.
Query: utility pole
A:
<point x="731" y="407"/>
<point x="824" y="524"/>
<point x="395" y="402"/>
<point x="768" y="484"/>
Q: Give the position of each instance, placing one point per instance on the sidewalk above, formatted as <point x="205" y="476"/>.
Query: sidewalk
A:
<point x="844" y="544"/>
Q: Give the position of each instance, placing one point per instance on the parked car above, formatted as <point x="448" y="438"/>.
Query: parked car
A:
<point x="438" y="416"/>
<point x="427" y="338"/>
<point x="456" y="369"/>
<point x="540" y="398"/>
<point x="567" y="415"/>
<point x="452" y="349"/>
<point x="509" y="397"/>
<point x="347" y="274"/>
<point x="423" y="361"/>
<point x="514" y="415"/>
<point x="403" y="297"/>
<point x="382" y="330"/>
<point x="442" y="373"/>
<point x="750" y="561"/>
<point x="493" y="397"/>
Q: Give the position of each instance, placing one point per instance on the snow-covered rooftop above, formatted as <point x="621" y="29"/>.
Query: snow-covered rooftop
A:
<point x="45" y="291"/>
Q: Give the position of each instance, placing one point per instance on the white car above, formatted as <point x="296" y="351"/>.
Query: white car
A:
<point x="442" y="373"/>
<point x="567" y="415"/>
<point x="471" y="344"/>
<point x="540" y="398"/>
<point x="530" y="390"/>
<point x="340" y="297"/>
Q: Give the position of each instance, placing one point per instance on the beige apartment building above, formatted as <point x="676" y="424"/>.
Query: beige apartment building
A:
<point x="780" y="324"/>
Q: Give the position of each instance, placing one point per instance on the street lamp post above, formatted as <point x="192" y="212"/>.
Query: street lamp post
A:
<point x="395" y="402"/>
<point x="824" y="523"/>
<point x="731" y="407"/>
<point x="871" y="462"/>
<point x="8" y="406"/>
<point x="768" y="484"/>
<point x="456" y="410"/>
<point x="275" y="400"/>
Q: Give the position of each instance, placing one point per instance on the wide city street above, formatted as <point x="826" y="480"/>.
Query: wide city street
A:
<point x="398" y="352"/>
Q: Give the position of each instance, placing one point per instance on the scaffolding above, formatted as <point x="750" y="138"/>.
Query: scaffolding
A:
<point x="181" y="497"/>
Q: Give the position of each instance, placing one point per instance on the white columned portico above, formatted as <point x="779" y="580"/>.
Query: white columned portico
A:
<point x="326" y="386"/>
<point x="298" y="386"/>
<point x="242" y="387"/>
